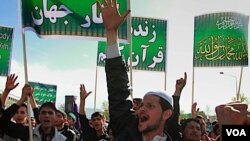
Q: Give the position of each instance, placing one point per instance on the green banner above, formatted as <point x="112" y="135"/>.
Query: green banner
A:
<point x="44" y="92"/>
<point x="221" y="39"/>
<point x="148" y="43"/>
<point x="6" y="38"/>
<point x="68" y="18"/>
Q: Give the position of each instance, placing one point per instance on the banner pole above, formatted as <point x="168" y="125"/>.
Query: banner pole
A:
<point x="96" y="72"/>
<point x="26" y="82"/>
<point x="238" y="92"/>
<point x="131" y="50"/>
<point x="26" y="73"/>
<point x="192" y="88"/>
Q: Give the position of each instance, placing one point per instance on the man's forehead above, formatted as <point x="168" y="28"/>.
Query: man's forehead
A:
<point x="46" y="109"/>
<point x="97" y="117"/>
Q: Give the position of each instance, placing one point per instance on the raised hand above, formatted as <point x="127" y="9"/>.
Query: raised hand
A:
<point x="83" y="93"/>
<point x="11" y="82"/>
<point x="9" y="85"/>
<point x="27" y="91"/>
<point x="195" y="110"/>
<point x="180" y="84"/>
<point x="110" y="14"/>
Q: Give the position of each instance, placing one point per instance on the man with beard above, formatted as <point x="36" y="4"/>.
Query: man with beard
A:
<point x="45" y="131"/>
<point x="157" y="106"/>
<point x="96" y="131"/>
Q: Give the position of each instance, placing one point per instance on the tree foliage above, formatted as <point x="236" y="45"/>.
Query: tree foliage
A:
<point x="105" y="107"/>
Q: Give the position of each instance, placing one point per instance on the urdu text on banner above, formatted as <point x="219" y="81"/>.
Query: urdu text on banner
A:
<point x="74" y="18"/>
<point x="149" y="43"/>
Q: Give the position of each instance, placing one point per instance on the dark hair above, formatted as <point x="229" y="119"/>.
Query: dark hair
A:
<point x="25" y="106"/>
<point x="97" y="114"/>
<point x="49" y="105"/>
<point x="165" y="105"/>
<point x="137" y="100"/>
<point x="186" y="121"/>
<point x="214" y="123"/>
<point x="215" y="128"/>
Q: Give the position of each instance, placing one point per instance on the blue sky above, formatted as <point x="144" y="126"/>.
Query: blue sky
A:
<point x="69" y="62"/>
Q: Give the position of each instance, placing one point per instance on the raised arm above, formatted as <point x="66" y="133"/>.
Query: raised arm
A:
<point x="83" y="95"/>
<point x="194" y="110"/>
<point x="173" y="123"/>
<point x="34" y="106"/>
<point x="85" y="127"/>
<point x="10" y="128"/>
<point x="180" y="84"/>
<point x="9" y="86"/>
<point x="111" y="19"/>
<point x="116" y="71"/>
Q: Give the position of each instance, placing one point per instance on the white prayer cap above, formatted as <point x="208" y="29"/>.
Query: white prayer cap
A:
<point x="163" y="95"/>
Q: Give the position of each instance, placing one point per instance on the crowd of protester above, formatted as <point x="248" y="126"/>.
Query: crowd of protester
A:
<point x="155" y="117"/>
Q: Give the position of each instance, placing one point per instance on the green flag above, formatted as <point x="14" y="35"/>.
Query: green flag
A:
<point x="6" y="38"/>
<point x="78" y="18"/>
<point x="221" y="39"/>
<point x="148" y="42"/>
<point x="44" y="92"/>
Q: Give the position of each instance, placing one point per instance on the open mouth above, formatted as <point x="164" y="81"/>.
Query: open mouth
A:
<point x="46" y="121"/>
<point x="143" y="118"/>
<point x="96" y="125"/>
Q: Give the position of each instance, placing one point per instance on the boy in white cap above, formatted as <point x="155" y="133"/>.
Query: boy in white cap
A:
<point x="157" y="106"/>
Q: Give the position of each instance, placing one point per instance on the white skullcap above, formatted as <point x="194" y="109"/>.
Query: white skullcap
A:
<point x="163" y="95"/>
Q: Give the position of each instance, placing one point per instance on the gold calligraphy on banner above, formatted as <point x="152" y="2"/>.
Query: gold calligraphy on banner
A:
<point x="221" y="47"/>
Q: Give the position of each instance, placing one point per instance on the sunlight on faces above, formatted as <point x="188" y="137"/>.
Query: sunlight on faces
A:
<point x="33" y="122"/>
<point x="21" y="115"/>
<point x="203" y="124"/>
<point x="151" y="116"/>
<point x="47" y="117"/>
<point x="97" y="121"/>
<point x="192" y="131"/>
<point x="59" y="119"/>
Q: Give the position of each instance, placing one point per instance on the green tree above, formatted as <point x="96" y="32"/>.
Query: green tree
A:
<point x="243" y="98"/>
<point x="105" y="107"/>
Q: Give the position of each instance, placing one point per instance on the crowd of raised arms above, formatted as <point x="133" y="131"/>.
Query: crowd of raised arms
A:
<point x="154" y="117"/>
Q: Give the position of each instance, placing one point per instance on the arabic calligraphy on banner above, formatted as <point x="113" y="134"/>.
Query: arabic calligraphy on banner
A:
<point x="148" y="42"/>
<point x="68" y="18"/>
<point x="6" y="37"/>
<point x="44" y="92"/>
<point x="221" y="39"/>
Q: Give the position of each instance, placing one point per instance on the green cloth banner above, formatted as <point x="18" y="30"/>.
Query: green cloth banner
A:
<point x="148" y="42"/>
<point x="44" y="92"/>
<point x="53" y="18"/>
<point x="6" y="38"/>
<point x="221" y="39"/>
